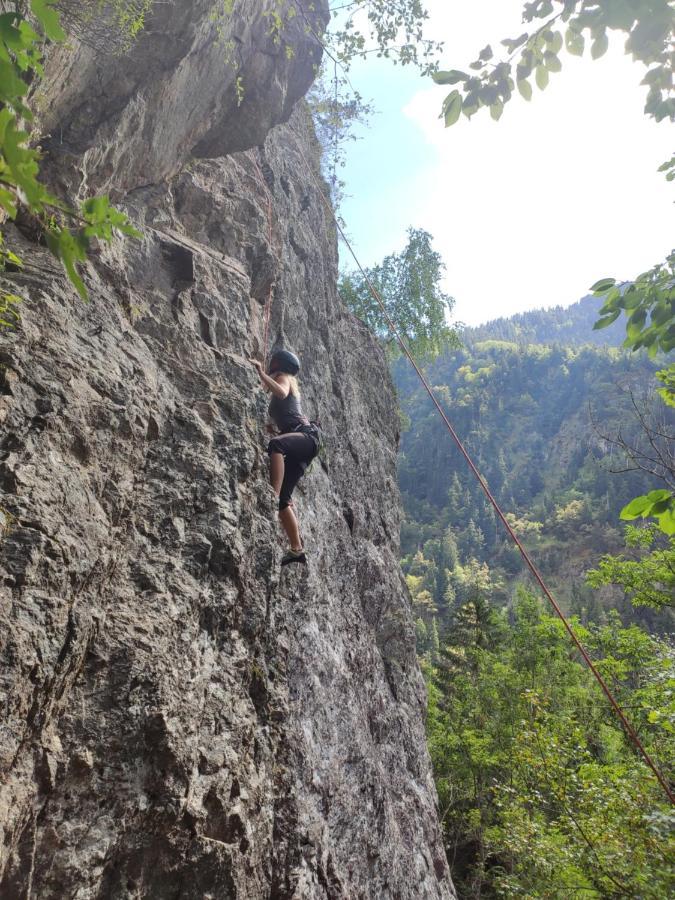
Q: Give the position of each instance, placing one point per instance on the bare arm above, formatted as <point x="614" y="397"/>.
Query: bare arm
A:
<point x="279" y="385"/>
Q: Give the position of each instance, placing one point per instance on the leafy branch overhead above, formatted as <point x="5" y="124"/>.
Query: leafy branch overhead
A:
<point x="649" y="300"/>
<point x="68" y="231"/>
<point x="649" y="304"/>
<point x="393" y="29"/>
<point x="575" y="25"/>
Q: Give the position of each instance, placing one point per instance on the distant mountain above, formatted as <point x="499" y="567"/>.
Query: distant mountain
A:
<point x="538" y="419"/>
<point x="569" y="326"/>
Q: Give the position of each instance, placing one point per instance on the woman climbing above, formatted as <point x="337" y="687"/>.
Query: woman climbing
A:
<point x="295" y="445"/>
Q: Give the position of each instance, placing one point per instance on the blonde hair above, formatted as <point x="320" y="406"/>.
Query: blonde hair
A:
<point x="295" y="387"/>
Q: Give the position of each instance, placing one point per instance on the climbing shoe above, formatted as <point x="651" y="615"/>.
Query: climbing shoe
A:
<point x="294" y="556"/>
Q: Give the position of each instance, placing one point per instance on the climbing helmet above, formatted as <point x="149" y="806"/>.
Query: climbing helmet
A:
<point x="284" y="361"/>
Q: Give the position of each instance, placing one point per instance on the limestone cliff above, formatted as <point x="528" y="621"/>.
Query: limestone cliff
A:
<point x="179" y="718"/>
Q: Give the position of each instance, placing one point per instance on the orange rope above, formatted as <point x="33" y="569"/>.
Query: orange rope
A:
<point x="630" y="730"/>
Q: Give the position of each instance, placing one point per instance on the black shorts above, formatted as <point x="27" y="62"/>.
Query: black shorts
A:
<point x="298" y="450"/>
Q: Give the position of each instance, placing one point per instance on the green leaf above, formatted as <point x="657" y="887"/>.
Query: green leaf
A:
<point x="552" y="62"/>
<point x="6" y="116"/>
<point x="11" y="86"/>
<point x="525" y="89"/>
<point x="496" y="110"/>
<point x="600" y="287"/>
<point x="662" y="313"/>
<point x="635" y="325"/>
<point x="555" y="42"/>
<point x="631" y="300"/>
<point x="574" y="42"/>
<point x="667" y="521"/>
<point x="604" y="323"/>
<point x="9" y="33"/>
<point x="29" y="35"/>
<point x="129" y="230"/>
<point x="470" y="105"/>
<point x="635" y="508"/>
<point x="72" y="251"/>
<point x="14" y="259"/>
<point x="599" y="46"/>
<point x="49" y="19"/>
<point x="451" y="77"/>
<point x="541" y="77"/>
<point x="659" y="495"/>
<point x="8" y="203"/>
<point x="452" y="108"/>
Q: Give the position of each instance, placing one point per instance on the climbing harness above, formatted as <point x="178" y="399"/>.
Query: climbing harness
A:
<point x="630" y="730"/>
<point x="314" y="431"/>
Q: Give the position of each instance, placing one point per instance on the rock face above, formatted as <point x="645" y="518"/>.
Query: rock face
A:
<point x="180" y="718"/>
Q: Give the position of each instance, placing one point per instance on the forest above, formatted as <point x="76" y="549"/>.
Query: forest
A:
<point x="539" y="793"/>
<point x="541" y="420"/>
<point x="568" y="415"/>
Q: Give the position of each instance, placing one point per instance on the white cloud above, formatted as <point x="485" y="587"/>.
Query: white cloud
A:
<point x="531" y="210"/>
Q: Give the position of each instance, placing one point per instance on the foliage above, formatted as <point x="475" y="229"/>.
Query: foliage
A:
<point x="648" y="580"/>
<point x="9" y="314"/>
<point x="649" y="305"/>
<point x="551" y="802"/>
<point x="540" y="794"/>
<point x="649" y="301"/>
<point x="108" y="26"/>
<point x="335" y="109"/>
<point x="394" y="29"/>
<point x="667" y="379"/>
<point x="356" y="30"/>
<point x="20" y="65"/>
<point x="655" y="504"/>
<point x="530" y="416"/>
<point x="409" y="284"/>
<point x="534" y="54"/>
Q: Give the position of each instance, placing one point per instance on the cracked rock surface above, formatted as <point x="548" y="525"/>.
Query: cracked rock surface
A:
<point x="180" y="717"/>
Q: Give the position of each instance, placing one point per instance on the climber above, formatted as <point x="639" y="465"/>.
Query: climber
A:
<point x="294" y="446"/>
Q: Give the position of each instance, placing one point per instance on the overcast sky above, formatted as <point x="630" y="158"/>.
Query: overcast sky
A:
<point x="528" y="211"/>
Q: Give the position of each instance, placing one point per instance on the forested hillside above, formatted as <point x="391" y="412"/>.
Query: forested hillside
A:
<point x="539" y="793"/>
<point x="539" y="421"/>
<point x="568" y="325"/>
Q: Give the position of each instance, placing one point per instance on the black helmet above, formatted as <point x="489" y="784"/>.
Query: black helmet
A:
<point x="284" y="361"/>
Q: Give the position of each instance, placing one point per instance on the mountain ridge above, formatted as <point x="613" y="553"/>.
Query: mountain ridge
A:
<point x="566" y="325"/>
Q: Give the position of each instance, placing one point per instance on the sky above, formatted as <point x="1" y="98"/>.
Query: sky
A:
<point x="526" y="212"/>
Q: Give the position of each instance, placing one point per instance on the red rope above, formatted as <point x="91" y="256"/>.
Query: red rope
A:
<point x="268" y="303"/>
<point x="630" y="730"/>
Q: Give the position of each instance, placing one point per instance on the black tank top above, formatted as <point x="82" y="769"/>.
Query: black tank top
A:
<point x="287" y="413"/>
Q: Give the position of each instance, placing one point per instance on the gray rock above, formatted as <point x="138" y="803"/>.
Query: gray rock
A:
<point x="181" y="718"/>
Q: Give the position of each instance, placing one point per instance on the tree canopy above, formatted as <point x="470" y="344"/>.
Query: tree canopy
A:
<point x="409" y="284"/>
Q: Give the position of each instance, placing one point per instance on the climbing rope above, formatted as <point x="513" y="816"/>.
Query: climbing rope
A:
<point x="630" y="730"/>
<point x="270" y="293"/>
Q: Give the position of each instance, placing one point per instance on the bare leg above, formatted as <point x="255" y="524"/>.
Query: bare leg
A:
<point x="287" y="516"/>
<point x="290" y="524"/>
<point x="276" y="471"/>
